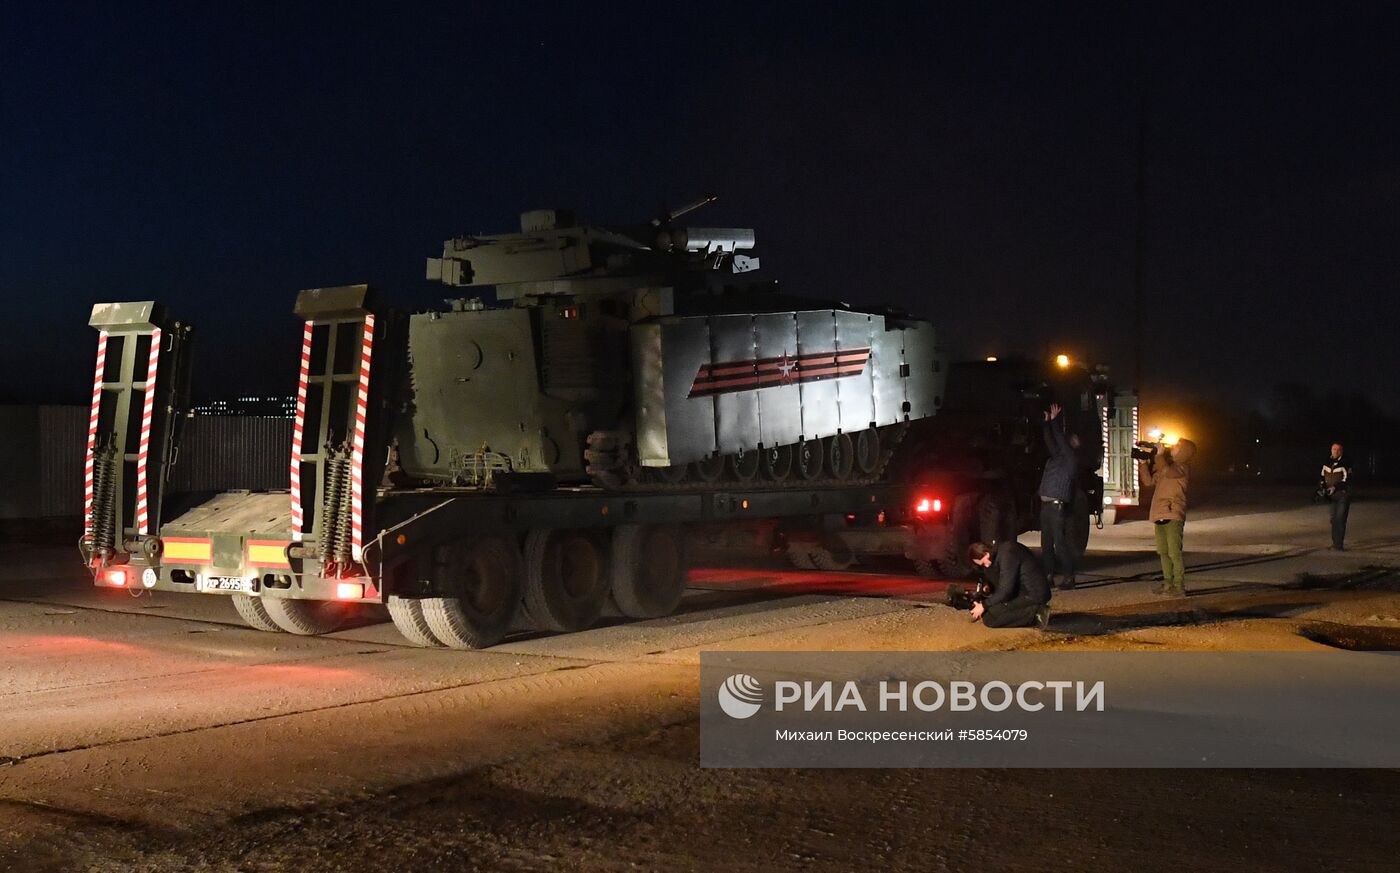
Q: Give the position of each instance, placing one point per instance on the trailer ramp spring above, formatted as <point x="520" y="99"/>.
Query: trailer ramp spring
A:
<point x="104" y="505"/>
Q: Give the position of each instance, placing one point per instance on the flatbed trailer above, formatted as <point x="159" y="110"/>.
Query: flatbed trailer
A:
<point x="456" y="566"/>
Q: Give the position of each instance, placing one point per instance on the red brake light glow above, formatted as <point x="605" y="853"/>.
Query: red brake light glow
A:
<point x="349" y="590"/>
<point x="117" y="576"/>
<point x="927" y="505"/>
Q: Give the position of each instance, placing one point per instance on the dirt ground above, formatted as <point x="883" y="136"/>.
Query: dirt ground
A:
<point x="152" y="739"/>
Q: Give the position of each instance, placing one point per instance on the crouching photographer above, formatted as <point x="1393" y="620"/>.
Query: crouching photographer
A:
<point x="1016" y="593"/>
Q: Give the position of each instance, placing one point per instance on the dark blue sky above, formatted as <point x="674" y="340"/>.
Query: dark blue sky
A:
<point x="975" y="165"/>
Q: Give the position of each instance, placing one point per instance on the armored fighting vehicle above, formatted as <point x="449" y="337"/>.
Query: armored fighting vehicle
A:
<point x="636" y="356"/>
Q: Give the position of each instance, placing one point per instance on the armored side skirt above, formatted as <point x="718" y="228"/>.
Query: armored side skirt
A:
<point x="729" y="383"/>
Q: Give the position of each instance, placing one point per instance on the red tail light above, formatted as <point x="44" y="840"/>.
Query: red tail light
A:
<point x="117" y="576"/>
<point x="927" y="505"/>
<point x="349" y="591"/>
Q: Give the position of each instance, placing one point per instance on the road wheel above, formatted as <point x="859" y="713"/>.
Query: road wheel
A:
<point x="777" y="462"/>
<point x="926" y="569"/>
<point x="254" y="614"/>
<point x="867" y="451"/>
<point x="566" y="579"/>
<point x="840" y="456"/>
<point x="648" y="569"/>
<point x="1079" y="523"/>
<point x="808" y="460"/>
<point x="671" y="475"/>
<point x="306" y="618"/>
<point x="481" y="581"/>
<point x="744" y="465"/>
<point x="710" y="469"/>
<point x="407" y="614"/>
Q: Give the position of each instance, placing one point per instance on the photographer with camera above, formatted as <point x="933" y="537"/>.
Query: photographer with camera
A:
<point x="1057" y="499"/>
<point x="1017" y="593"/>
<point x="1335" y="488"/>
<point x="1168" y="471"/>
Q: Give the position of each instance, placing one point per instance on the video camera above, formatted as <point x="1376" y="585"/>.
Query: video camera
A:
<point x="962" y="596"/>
<point x="1145" y="450"/>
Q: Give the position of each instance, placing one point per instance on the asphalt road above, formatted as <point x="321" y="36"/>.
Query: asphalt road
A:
<point x="158" y="733"/>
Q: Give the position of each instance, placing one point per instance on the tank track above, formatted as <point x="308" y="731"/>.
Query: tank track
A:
<point x="612" y="465"/>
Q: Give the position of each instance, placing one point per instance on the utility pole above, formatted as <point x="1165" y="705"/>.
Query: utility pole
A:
<point x="1140" y="253"/>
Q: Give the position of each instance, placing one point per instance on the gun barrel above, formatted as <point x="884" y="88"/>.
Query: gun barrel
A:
<point x="691" y="207"/>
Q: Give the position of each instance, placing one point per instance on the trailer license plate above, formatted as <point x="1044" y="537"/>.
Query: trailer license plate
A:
<point x="226" y="583"/>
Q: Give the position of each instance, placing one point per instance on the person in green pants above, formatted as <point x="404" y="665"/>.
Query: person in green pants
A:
<point x="1169" y="475"/>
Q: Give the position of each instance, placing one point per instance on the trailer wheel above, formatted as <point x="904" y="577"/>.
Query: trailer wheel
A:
<point x="777" y="462"/>
<point x="840" y="455"/>
<point x="482" y="580"/>
<point x="867" y="451"/>
<point x="808" y="460"/>
<point x="926" y="569"/>
<point x="566" y="579"/>
<point x="831" y="556"/>
<point x="744" y="465"/>
<point x="648" y="569"/>
<point x="307" y="618"/>
<point x="254" y="614"/>
<point x="800" y="556"/>
<point x="407" y="615"/>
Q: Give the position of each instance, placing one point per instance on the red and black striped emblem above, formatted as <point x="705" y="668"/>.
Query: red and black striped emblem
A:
<point x="732" y="376"/>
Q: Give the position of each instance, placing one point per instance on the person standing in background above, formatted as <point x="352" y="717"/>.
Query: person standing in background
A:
<point x="1169" y="473"/>
<point x="1335" y="486"/>
<point x="1057" y="500"/>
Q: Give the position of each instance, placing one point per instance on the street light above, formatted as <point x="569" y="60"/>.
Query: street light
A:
<point x="1062" y="360"/>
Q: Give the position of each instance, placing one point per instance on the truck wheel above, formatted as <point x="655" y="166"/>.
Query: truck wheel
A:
<point x="799" y="554"/>
<point x="926" y="569"/>
<point x="1079" y="524"/>
<point x="407" y="614"/>
<point x="648" y="569"/>
<point x="566" y="579"/>
<point x="867" y="451"/>
<point x="808" y="460"/>
<point x="744" y="465"/>
<point x="254" y="614"/>
<point x="993" y="520"/>
<point x="777" y="463"/>
<point x="307" y="618"/>
<point x="840" y="455"/>
<point x="481" y="584"/>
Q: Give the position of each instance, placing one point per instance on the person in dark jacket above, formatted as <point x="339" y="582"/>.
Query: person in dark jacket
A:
<point x="1020" y="592"/>
<point x="1057" y="500"/>
<point x="1336" y="487"/>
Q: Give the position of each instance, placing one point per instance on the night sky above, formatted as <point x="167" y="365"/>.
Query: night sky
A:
<point x="974" y="165"/>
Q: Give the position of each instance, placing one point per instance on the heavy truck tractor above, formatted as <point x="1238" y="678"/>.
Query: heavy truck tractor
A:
<point x="988" y="447"/>
<point x="522" y="464"/>
<point x="974" y="471"/>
